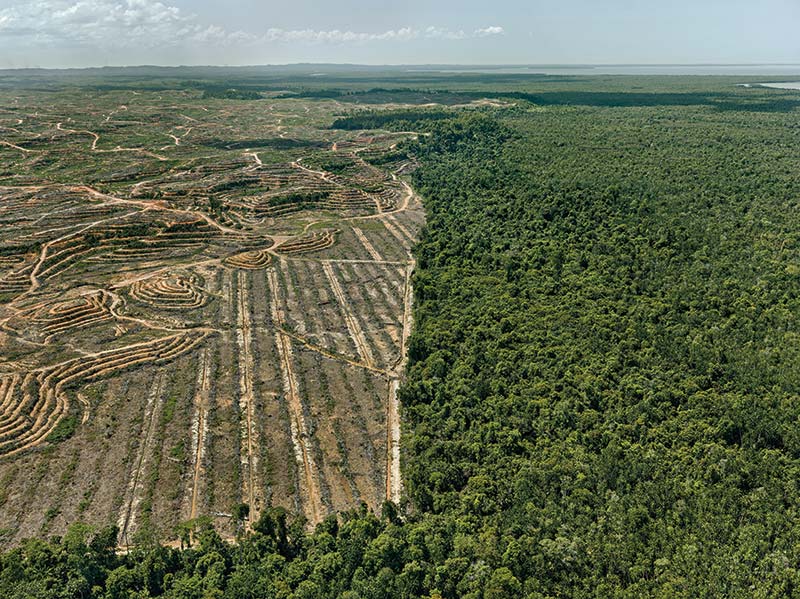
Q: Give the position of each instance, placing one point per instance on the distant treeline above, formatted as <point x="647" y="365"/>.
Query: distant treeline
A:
<point x="733" y="101"/>
<point x="401" y="120"/>
<point x="231" y="94"/>
<point x="276" y="143"/>
<point x="300" y="199"/>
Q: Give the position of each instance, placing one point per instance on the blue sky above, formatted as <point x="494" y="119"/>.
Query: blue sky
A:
<point x="70" y="33"/>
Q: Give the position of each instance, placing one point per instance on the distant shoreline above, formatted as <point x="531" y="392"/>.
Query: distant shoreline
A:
<point x="795" y="85"/>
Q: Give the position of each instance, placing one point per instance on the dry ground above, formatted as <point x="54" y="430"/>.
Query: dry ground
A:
<point x="202" y="303"/>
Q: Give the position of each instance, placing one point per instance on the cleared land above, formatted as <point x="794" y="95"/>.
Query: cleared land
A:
<point x="203" y="303"/>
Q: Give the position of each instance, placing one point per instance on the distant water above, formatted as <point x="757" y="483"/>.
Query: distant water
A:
<point x="751" y="69"/>
<point x="787" y="85"/>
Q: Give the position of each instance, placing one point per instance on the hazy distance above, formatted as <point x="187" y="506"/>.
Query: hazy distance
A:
<point x="78" y="33"/>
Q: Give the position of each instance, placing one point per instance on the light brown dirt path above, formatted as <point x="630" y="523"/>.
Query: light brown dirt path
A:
<point x="325" y="176"/>
<point x="77" y="132"/>
<point x="251" y="490"/>
<point x="394" y="484"/>
<point x="16" y="147"/>
<point x="331" y="355"/>
<point x="400" y="227"/>
<point x="310" y="496"/>
<point x="352" y="323"/>
<point x="117" y="149"/>
<point x="367" y="245"/>
<point x="394" y="480"/>
<point x="255" y="157"/>
<point x="177" y="138"/>
<point x="126" y="523"/>
<point x="159" y="206"/>
<point x="200" y="428"/>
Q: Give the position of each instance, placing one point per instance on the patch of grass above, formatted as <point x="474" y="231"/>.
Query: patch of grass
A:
<point x="5" y="483"/>
<point x="168" y="413"/>
<point x="178" y="451"/>
<point x="51" y="513"/>
<point x="63" y="430"/>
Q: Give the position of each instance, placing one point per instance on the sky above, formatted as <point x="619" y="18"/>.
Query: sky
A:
<point x="79" y="33"/>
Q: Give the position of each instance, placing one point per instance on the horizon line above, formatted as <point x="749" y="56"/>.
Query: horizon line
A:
<point x="408" y="65"/>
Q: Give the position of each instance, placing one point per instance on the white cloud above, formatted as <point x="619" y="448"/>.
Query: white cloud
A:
<point x="98" y="22"/>
<point x="442" y="33"/>
<point x="336" y="36"/>
<point x="152" y="23"/>
<point x="488" y="31"/>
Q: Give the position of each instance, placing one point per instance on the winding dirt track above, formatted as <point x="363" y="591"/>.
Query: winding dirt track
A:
<point x="117" y="149"/>
<point x="16" y="147"/>
<point x="145" y="206"/>
<point x="254" y="156"/>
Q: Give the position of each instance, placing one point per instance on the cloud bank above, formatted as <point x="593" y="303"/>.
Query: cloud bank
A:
<point x="151" y="23"/>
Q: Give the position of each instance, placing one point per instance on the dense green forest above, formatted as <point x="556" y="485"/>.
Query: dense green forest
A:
<point x="602" y="394"/>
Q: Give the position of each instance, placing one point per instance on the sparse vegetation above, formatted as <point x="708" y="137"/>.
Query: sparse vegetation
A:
<point x="63" y="430"/>
<point x="231" y="94"/>
<point x="121" y="253"/>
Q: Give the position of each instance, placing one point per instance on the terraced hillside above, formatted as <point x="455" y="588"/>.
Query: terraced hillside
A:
<point x="203" y="303"/>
